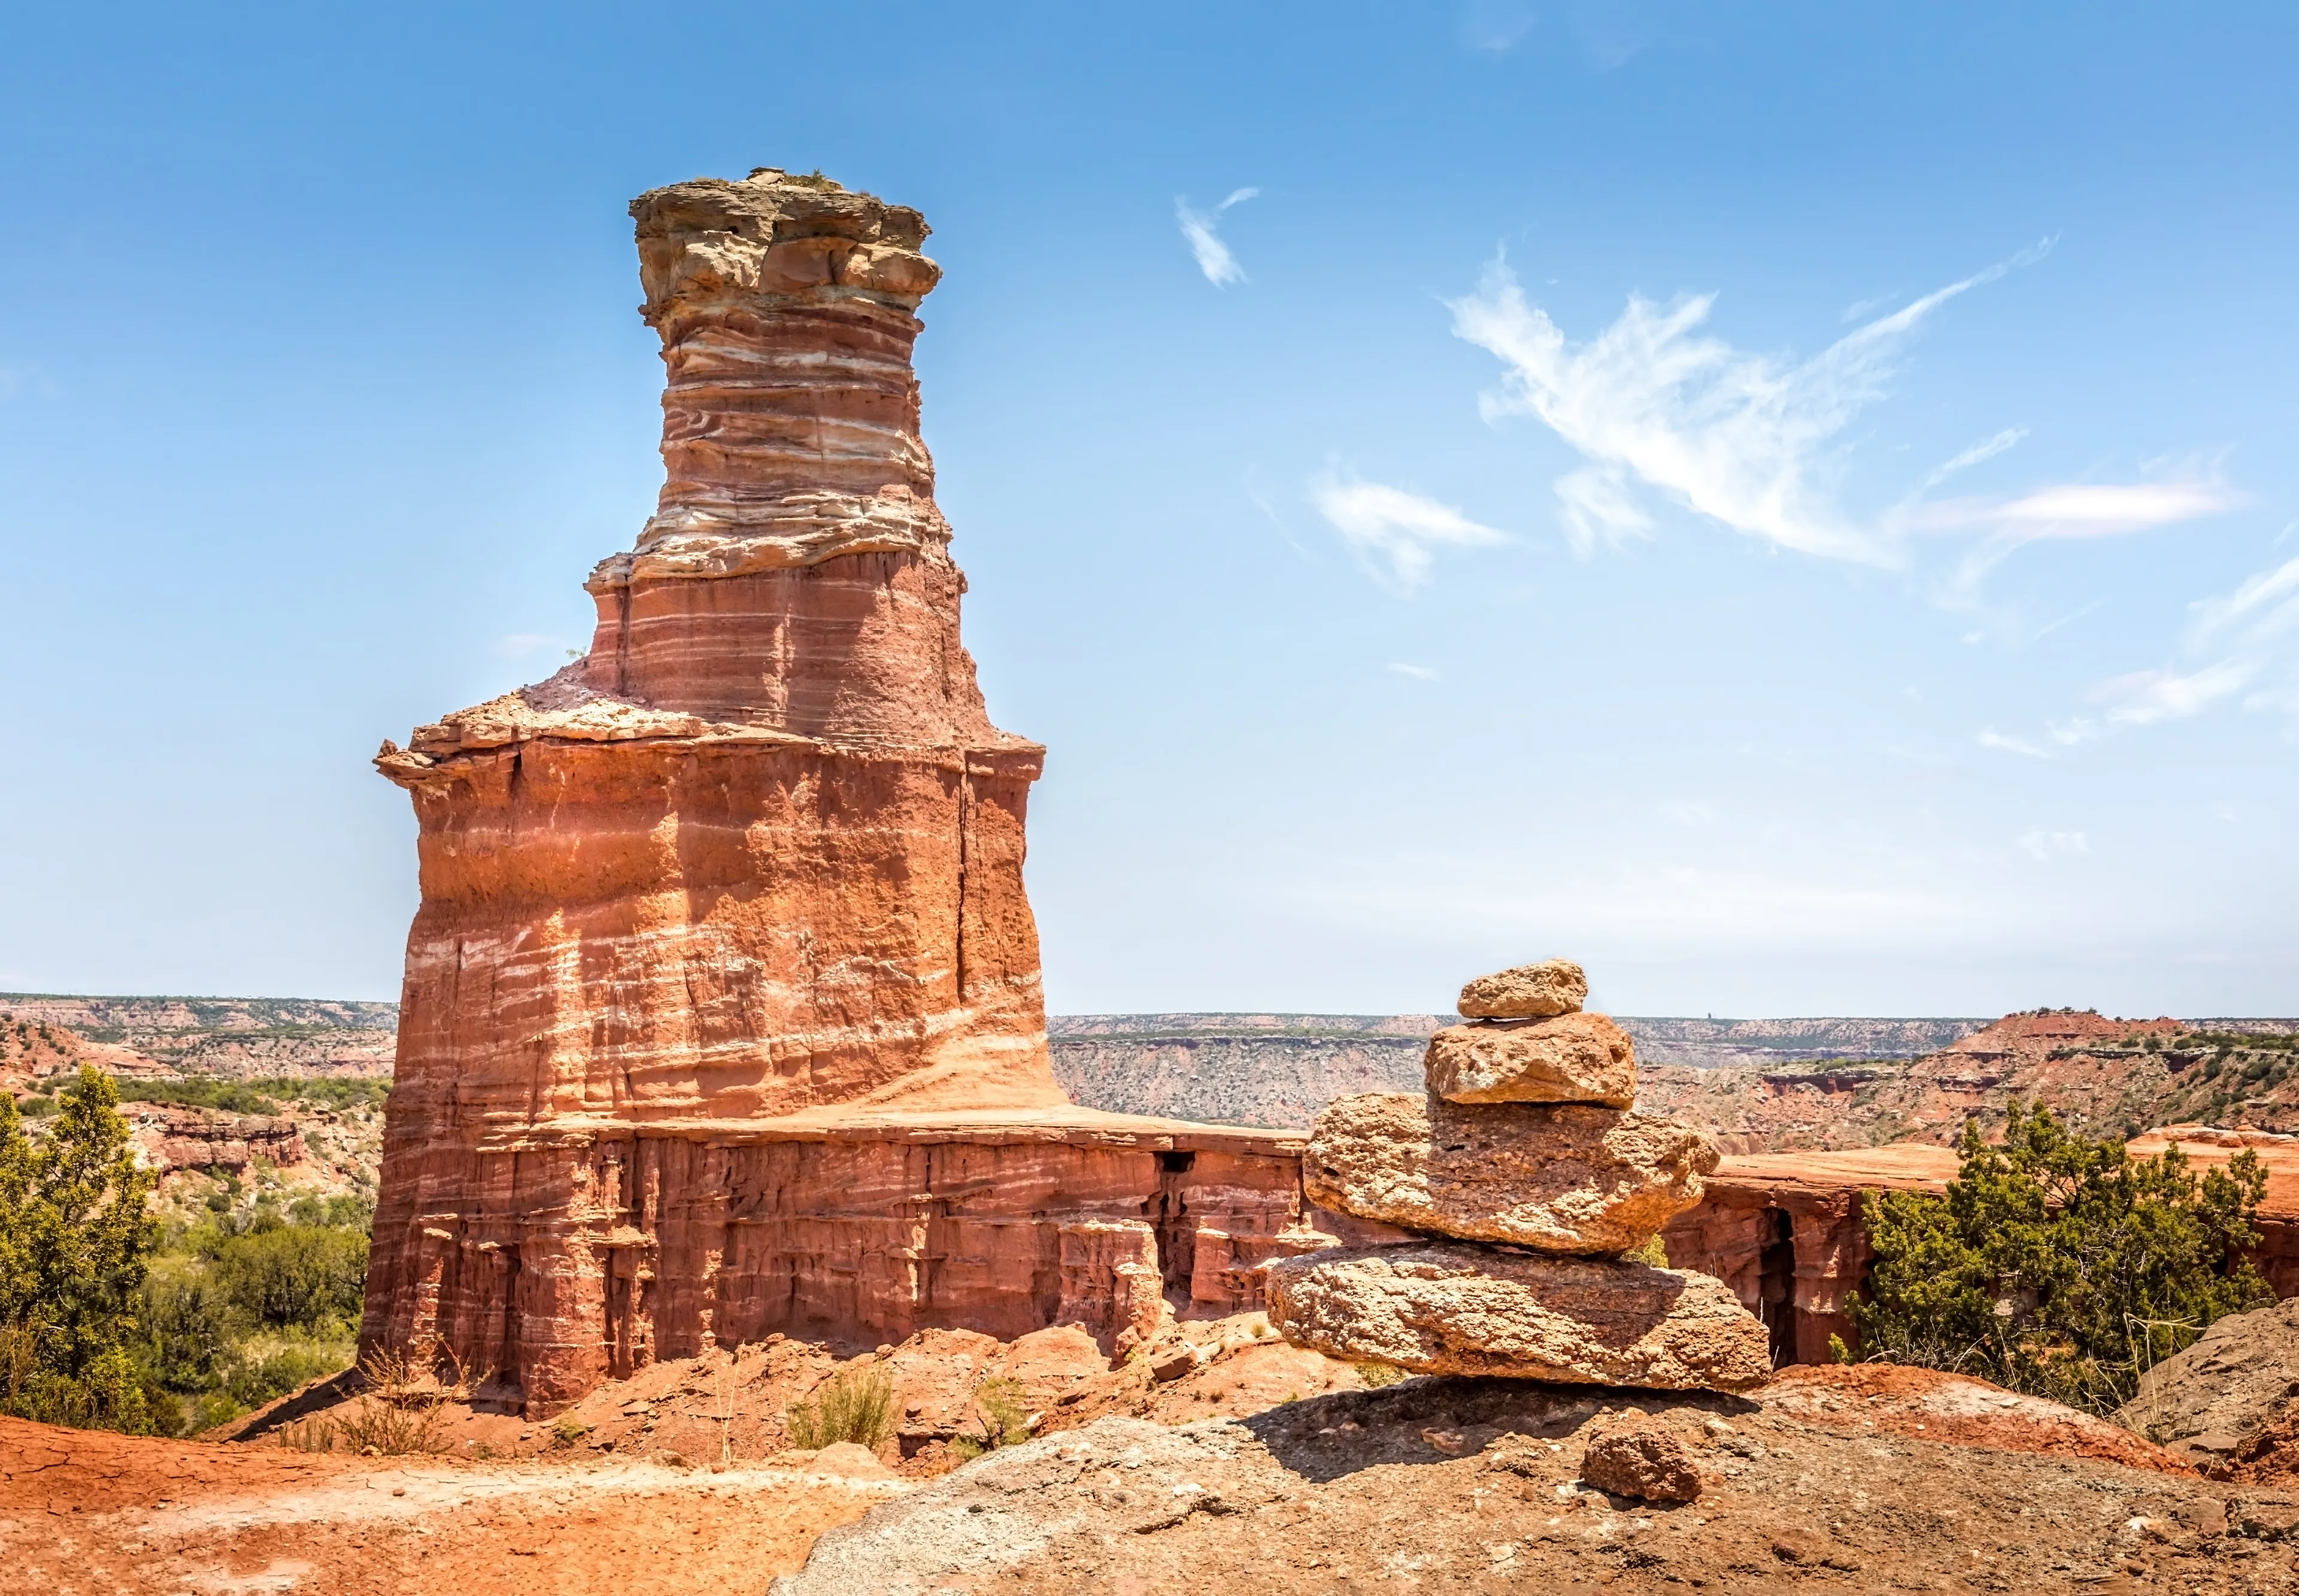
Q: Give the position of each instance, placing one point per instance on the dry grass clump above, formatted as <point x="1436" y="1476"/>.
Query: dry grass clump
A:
<point x="399" y="1414"/>
<point x="854" y="1404"/>
<point x="998" y="1402"/>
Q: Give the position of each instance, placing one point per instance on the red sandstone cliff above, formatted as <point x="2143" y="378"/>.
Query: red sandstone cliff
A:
<point x="722" y="1009"/>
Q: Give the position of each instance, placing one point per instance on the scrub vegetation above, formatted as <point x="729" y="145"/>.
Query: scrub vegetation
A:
<point x="2058" y="1265"/>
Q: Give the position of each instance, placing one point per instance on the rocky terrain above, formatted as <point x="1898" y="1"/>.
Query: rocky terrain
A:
<point x="1234" y="1463"/>
<point x="231" y="1037"/>
<point x="1845" y="1479"/>
<point x="2230" y="1402"/>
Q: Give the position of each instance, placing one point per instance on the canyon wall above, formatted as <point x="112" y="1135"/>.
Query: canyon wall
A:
<point x="722" y="1008"/>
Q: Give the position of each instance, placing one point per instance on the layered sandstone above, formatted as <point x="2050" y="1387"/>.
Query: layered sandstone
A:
<point x="1560" y="1177"/>
<point x="722" y="1009"/>
<point x="1447" y="1308"/>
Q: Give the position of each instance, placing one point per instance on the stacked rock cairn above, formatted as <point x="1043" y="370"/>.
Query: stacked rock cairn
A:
<point x="1525" y="1174"/>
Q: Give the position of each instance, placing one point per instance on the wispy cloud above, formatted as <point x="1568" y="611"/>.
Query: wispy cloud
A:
<point x="2261" y="612"/>
<point x="2144" y="697"/>
<point x="1755" y="444"/>
<point x="1419" y="673"/>
<point x="2044" y="846"/>
<point x="1992" y="738"/>
<point x="2242" y="642"/>
<point x="1383" y="524"/>
<point x="2240" y="645"/>
<point x="1985" y="449"/>
<point x="1739" y="438"/>
<point x="1214" y="257"/>
<point x="2077" y="510"/>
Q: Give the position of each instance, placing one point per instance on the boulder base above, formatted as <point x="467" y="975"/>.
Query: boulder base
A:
<point x="1560" y="1177"/>
<point x="1528" y="991"/>
<point x="1443" y="1308"/>
<point x="1567" y="1057"/>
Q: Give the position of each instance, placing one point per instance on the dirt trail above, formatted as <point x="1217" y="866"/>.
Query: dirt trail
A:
<point x="82" y="1513"/>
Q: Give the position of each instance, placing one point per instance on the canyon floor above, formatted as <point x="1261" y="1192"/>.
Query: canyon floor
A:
<point x="1862" y="1479"/>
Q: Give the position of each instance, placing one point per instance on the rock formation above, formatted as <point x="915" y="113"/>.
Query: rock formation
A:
<point x="722" y="1010"/>
<point x="1558" y="1177"/>
<point x="1500" y="1151"/>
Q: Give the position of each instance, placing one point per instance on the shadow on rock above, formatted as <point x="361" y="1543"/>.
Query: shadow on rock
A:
<point x="1438" y="1419"/>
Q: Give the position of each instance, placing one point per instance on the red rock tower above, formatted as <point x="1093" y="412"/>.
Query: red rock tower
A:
<point x="761" y="851"/>
<point x="723" y="947"/>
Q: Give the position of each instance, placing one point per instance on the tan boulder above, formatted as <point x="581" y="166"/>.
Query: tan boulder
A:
<point x="1528" y="991"/>
<point x="1445" y="1308"/>
<point x="1642" y="1459"/>
<point x="1567" y="1057"/>
<point x="1561" y="1178"/>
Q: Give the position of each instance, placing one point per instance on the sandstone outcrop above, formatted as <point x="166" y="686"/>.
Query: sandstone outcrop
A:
<point x="1577" y="1182"/>
<point x="1445" y="1308"/>
<point x="171" y="1136"/>
<point x="1571" y="1058"/>
<point x="722" y="1011"/>
<point x="1528" y="991"/>
<point x="1561" y="1177"/>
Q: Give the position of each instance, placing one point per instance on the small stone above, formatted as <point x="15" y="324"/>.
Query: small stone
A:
<point x="1445" y="1308"/>
<point x="1563" y="1177"/>
<point x="1643" y="1461"/>
<point x="1528" y="991"/>
<point x="1568" y="1057"/>
<point x="1174" y="1363"/>
<point x="853" y="1462"/>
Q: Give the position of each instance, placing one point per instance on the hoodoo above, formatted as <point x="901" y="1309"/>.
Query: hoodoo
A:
<point x="722" y="1008"/>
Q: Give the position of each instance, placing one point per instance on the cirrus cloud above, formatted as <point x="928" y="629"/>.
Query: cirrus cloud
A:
<point x="1388" y="526"/>
<point x="1656" y="407"/>
<point x="1198" y="228"/>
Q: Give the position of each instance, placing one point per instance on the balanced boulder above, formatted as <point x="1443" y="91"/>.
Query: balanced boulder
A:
<point x="1528" y="991"/>
<point x="1567" y="1057"/>
<point x="1445" y="1308"/>
<point x="1561" y="1178"/>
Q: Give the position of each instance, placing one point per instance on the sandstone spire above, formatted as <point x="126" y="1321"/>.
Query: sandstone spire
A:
<point x="722" y="1013"/>
<point x="643" y="879"/>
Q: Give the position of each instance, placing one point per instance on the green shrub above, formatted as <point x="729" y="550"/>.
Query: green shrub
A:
<point x="1653" y="1252"/>
<point x="74" y="1238"/>
<point x="1376" y="1374"/>
<point x="295" y="1276"/>
<point x="230" y="1097"/>
<point x="262" y="1096"/>
<point x="2057" y="1264"/>
<point x="855" y="1404"/>
<point x="183" y="1325"/>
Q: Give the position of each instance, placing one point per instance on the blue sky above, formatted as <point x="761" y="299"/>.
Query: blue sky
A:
<point x="1791" y="506"/>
